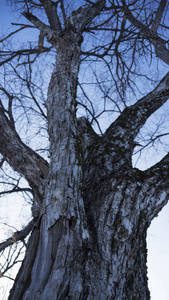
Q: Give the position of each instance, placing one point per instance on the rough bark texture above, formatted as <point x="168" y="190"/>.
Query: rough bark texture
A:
<point x="90" y="242"/>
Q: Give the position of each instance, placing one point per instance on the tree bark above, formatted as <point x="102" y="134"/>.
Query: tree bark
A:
<point x="63" y="229"/>
<point x="90" y="242"/>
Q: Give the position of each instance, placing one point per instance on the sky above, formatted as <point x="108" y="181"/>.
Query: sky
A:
<point x="158" y="233"/>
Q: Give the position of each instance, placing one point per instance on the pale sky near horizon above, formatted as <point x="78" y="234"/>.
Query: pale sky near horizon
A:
<point x="158" y="233"/>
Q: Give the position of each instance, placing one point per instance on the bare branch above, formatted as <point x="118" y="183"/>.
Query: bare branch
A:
<point x="22" y="158"/>
<point x="51" y="12"/>
<point x="14" y="32"/>
<point x="24" y="52"/>
<point x="159" y="44"/>
<point x="159" y="15"/>
<point x="25" y="271"/>
<point x="41" y="40"/>
<point x="13" y="257"/>
<point x="151" y="141"/>
<point x="29" y="86"/>
<point x="63" y="12"/>
<point x="16" y="190"/>
<point x="18" y="235"/>
<point x="51" y="35"/>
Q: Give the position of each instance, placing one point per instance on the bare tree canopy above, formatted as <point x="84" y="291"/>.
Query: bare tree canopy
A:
<point x="79" y="81"/>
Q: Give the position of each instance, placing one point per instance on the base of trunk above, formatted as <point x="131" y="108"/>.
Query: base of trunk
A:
<point x="92" y="272"/>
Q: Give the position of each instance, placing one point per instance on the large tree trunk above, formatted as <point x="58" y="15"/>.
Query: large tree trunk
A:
<point x="105" y="260"/>
<point x="91" y="238"/>
<point x="96" y="207"/>
<point x="91" y="241"/>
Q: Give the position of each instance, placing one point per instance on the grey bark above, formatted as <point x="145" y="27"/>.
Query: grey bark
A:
<point x="90" y="242"/>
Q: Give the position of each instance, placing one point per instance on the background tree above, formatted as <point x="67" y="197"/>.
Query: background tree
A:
<point x="91" y="208"/>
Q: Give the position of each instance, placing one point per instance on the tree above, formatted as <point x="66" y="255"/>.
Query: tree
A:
<point x="91" y="207"/>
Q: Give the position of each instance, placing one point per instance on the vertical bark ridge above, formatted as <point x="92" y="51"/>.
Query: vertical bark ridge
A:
<point x="63" y="230"/>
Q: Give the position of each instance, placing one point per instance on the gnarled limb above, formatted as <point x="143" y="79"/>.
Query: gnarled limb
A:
<point x="22" y="158"/>
<point x="134" y="117"/>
